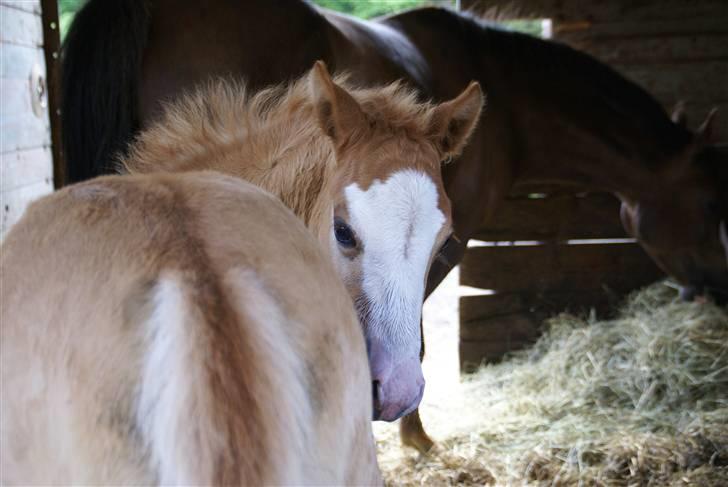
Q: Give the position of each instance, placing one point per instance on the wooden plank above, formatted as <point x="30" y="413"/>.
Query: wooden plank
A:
<point x="14" y="97"/>
<point x="23" y="168"/>
<point x="52" y="48"/>
<point x="539" y="303"/>
<point x="676" y="49"/>
<point x="602" y="11"/>
<point x="619" y="266"/>
<point x="14" y="202"/>
<point x="18" y="61"/>
<point x="491" y="326"/>
<point x="24" y="131"/>
<point x="629" y="28"/>
<point x="561" y="217"/>
<point x="705" y="82"/>
<point x="521" y="326"/>
<point x="20" y="27"/>
<point x="518" y="315"/>
<point x="24" y="5"/>
<point x="473" y="354"/>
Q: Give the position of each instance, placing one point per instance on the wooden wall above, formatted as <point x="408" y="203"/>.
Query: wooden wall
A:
<point x="676" y="50"/>
<point x="26" y="162"/>
<point x="542" y="256"/>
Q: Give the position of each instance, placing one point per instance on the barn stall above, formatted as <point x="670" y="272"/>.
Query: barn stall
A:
<point x="587" y="381"/>
<point x="567" y="409"/>
<point x="678" y="52"/>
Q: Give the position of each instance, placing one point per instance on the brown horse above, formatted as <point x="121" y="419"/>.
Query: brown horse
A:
<point x="177" y="329"/>
<point x="360" y="167"/>
<point x="555" y="115"/>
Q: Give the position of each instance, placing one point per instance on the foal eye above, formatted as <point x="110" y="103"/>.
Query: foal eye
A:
<point x="344" y="234"/>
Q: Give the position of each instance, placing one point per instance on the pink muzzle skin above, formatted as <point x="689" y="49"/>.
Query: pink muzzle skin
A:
<point x="397" y="387"/>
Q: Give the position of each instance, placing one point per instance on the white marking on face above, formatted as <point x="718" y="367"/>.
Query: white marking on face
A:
<point x="397" y="222"/>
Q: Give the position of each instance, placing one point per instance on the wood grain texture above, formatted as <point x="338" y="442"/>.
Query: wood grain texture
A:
<point x="14" y="202"/>
<point x="621" y="266"/>
<point x="20" y="27"/>
<point x="32" y="6"/>
<point x="603" y="11"/>
<point x="472" y="354"/>
<point x="52" y="49"/>
<point x="18" y="60"/>
<point x="640" y="49"/>
<point x="677" y="51"/>
<point x="24" y="131"/>
<point x="25" y="155"/>
<point x="559" y="217"/>
<point x="23" y="168"/>
<point x="532" y="283"/>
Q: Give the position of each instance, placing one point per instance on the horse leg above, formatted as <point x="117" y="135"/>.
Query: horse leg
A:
<point x="411" y="431"/>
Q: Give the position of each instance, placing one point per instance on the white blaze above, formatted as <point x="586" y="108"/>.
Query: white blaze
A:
<point x="397" y="222"/>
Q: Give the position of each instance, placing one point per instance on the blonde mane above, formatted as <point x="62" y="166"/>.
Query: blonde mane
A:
<point x="270" y="138"/>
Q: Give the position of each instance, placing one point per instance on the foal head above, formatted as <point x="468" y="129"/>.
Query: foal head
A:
<point x="386" y="215"/>
<point x="360" y="166"/>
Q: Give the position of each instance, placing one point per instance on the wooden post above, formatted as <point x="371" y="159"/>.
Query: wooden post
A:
<point x="52" y="49"/>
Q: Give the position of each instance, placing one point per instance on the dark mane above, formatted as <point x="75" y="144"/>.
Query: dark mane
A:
<point x="575" y="74"/>
<point x="581" y="86"/>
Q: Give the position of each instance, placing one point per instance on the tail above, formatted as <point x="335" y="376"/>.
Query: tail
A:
<point x="102" y="57"/>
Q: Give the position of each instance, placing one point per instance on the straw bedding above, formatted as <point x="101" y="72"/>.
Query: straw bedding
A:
<point x="641" y="399"/>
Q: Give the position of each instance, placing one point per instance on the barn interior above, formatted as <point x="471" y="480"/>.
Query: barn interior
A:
<point x="556" y="353"/>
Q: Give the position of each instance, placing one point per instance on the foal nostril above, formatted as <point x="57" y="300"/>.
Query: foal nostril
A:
<point x="377" y="399"/>
<point x="377" y="392"/>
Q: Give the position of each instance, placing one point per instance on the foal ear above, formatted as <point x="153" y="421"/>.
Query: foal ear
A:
<point x="453" y="121"/>
<point x="338" y="113"/>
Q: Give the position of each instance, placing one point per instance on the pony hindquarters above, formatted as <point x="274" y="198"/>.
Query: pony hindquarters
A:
<point x="177" y="329"/>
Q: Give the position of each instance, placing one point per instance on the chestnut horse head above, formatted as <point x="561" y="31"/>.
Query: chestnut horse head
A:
<point x="387" y="217"/>
<point x="679" y="224"/>
<point x="361" y="167"/>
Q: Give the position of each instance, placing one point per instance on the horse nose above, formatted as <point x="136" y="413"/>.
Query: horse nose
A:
<point x="400" y="393"/>
<point x="377" y="398"/>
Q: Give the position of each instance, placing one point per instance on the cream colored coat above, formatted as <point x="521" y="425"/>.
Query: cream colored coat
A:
<point x="177" y="329"/>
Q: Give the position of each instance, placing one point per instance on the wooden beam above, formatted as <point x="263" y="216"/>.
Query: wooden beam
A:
<point x="52" y="50"/>
<point x="32" y="6"/>
<point x="559" y="217"/>
<point x="19" y="27"/>
<point x="619" y="266"/>
<point x="602" y="11"/>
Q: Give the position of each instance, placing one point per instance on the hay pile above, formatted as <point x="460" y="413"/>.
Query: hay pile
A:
<point x="638" y="400"/>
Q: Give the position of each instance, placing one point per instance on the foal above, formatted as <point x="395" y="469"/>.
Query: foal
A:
<point x="361" y="167"/>
<point x="177" y="329"/>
